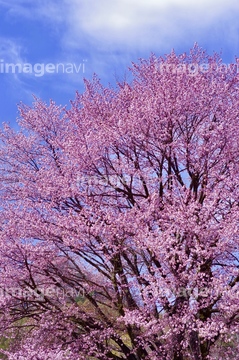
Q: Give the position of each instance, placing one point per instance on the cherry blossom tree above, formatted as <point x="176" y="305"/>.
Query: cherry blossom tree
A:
<point x="120" y="218"/>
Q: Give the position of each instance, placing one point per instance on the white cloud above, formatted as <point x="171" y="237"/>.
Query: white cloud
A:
<point x="128" y="24"/>
<point x="142" y="23"/>
<point x="112" y="33"/>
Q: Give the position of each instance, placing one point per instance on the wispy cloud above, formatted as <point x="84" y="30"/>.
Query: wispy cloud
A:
<point x="126" y="24"/>
<point x="39" y="10"/>
<point x="130" y="26"/>
<point x="142" y="23"/>
<point x="10" y="50"/>
<point x="109" y="34"/>
<point x="12" y="86"/>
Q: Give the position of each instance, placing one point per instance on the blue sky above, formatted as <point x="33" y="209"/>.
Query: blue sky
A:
<point x="102" y="37"/>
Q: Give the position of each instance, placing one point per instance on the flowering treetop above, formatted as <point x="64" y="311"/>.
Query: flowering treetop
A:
<point x="119" y="218"/>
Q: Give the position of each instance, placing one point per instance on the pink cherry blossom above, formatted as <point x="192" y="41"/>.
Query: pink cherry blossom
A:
<point x="120" y="219"/>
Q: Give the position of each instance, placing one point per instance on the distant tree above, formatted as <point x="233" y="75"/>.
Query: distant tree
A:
<point x="120" y="218"/>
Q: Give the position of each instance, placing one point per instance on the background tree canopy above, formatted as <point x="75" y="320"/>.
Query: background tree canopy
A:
<point x="119" y="218"/>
